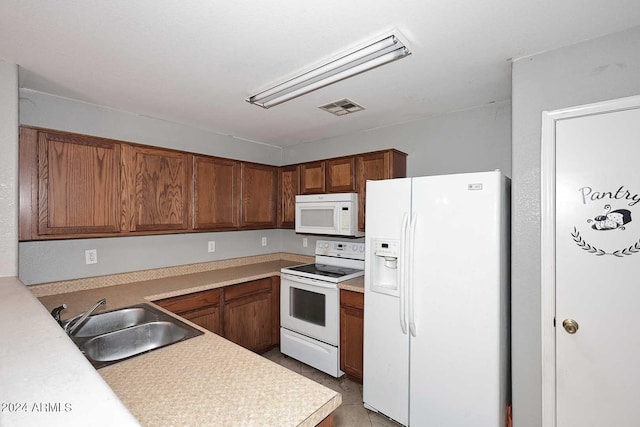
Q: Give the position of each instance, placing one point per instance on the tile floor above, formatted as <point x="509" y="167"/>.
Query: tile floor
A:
<point x="351" y="413"/>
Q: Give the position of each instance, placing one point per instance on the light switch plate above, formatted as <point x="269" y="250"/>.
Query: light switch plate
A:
<point x="264" y="241"/>
<point x="211" y="246"/>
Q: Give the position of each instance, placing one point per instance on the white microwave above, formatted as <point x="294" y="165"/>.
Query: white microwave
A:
<point x="332" y="214"/>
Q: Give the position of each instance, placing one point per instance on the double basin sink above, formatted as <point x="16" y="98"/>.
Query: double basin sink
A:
<point x="113" y="336"/>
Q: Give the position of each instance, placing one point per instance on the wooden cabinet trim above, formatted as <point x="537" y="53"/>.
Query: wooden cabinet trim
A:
<point x="352" y="299"/>
<point x="191" y="301"/>
<point x="275" y="291"/>
<point x="28" y="183"/>
<point x="242" y="290"/>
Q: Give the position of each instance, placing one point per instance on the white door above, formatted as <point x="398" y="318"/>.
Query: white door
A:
<point x="457" y="302"/>
<point x="597" y="276"/>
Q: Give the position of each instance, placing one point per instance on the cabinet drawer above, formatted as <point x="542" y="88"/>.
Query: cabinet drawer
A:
<point x="190" y="302"/>
<point x="352" y="299"/>
<point x="245" y="289"/>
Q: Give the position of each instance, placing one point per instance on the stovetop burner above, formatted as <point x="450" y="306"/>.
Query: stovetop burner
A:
<point x="325" y="270"/>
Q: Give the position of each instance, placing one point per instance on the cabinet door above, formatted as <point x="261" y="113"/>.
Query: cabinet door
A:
<point x="208" y="318"/>
<point x="374" y="166"/>
<point x="341" y="175"/>
<point x="158" y="189"/>
<point x="288" y="183"/>
<point x="216" y="193"/>
<point x="259" y="195"/>
<point x="248" y="321"/>
<point x="78" y="185"/>
<point x="312" y="178"/>
<point x="351" y="333"/>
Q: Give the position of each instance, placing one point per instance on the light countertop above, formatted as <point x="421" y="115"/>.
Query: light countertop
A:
<point x="44" y="379"/>
<point x="206" y="380"/>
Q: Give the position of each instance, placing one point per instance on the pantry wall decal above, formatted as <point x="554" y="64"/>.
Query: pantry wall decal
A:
<point x="608" y="220"/>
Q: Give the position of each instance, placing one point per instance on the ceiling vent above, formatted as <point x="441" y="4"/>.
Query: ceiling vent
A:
<point x="342" y="107"/>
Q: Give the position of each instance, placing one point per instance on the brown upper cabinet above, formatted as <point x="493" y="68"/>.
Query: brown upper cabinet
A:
<point x="312" y="178"/>
<point x="216" y="193"/>
<point x="289" y="187"/>
<point x="373" y="166"/>
<point x="78" y="186"/>
<point x="69" y="185"/>
<point x="259" y="195"/>
<point x="328" y="176"/>
<point x="159" y="182"/>
<point x="341" y="175"/>
<point x="345" y="175"/>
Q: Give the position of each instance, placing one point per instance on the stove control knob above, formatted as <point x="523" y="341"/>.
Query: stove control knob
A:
<point x="326" y="245"/>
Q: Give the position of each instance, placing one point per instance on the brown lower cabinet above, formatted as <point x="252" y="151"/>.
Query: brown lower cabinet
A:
<point x="351" y="333"/>
<point x="247" y="313"/>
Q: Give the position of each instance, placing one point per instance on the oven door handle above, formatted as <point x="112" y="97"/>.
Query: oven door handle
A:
<point x="307" y="281"/>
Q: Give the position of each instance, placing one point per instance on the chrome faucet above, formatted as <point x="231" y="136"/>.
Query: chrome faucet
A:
<point x="72" y="325"/>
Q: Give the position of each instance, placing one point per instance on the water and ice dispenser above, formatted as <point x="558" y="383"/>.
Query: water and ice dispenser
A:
<point x="384" y="266"/>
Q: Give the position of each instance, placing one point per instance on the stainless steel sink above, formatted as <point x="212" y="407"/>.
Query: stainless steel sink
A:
<point x="117" y="335"/>
<point x="104" y="323"/>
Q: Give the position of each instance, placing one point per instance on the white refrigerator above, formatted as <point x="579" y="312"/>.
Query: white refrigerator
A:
<point x="436" y="316"/>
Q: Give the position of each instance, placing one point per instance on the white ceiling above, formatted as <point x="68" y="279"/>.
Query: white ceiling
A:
<point x="195" y="62"/>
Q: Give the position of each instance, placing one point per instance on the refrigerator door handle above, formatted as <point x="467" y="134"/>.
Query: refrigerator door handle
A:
<point x="411" y="284"/>
<point x="401" y="274"/>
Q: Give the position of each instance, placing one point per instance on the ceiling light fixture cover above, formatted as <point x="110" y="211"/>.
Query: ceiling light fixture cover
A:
<point x="374" y="54"/>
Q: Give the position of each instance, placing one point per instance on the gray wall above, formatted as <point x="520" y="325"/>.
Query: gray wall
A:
<point x="8" y="169"/>
<point x="472" y="140"/>
<point x="597" y="70"/>
<point x="44" y="110"/>
<point x="64" y="259"/>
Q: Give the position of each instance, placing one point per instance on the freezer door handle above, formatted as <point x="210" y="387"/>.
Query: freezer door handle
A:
<point x="411" y="285"/>
<point x="401" y="274"/>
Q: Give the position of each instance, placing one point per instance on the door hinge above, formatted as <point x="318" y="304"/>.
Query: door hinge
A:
<point x="554" y="322"/>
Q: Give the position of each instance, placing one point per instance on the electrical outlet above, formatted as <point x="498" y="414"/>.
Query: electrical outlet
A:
<point x="264" y="241"/>
<point x="305" y="242"/>
<point x="211" y="246"/>
<point x="91" y="256"/>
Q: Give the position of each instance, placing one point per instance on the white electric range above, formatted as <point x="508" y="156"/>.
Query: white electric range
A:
<point x="310" y="304"/>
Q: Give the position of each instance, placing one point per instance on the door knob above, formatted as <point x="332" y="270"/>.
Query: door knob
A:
<point x="570" y="325"/>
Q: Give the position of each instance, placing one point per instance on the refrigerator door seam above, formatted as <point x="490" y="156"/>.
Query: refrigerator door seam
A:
<point x="401" y="274"/>
<point x="412" y="244"/>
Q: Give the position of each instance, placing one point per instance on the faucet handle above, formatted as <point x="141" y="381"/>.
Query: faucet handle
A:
<point x="56" y="313"/>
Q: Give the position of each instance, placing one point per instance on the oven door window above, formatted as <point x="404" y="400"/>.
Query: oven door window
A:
<point x="307" y="306"/>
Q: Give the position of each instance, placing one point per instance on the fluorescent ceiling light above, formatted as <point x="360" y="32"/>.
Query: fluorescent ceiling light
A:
<point x="382" y="51"/>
